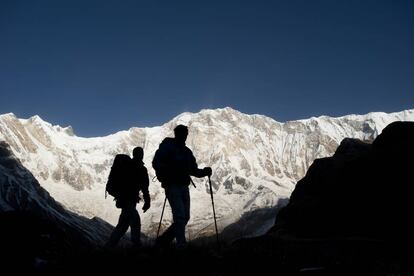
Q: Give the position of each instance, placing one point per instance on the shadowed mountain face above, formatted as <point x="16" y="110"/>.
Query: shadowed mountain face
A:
<point x="35" y="229"/>
<point x="363" y="190"/>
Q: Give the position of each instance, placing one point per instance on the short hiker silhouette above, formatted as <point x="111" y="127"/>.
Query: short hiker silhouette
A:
<point x="127" y="178"/>
<point x="174" y="163"/>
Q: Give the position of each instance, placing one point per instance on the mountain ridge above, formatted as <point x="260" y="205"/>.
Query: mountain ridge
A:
<point x="204" y="110"/>
<point x="256" y="160"/>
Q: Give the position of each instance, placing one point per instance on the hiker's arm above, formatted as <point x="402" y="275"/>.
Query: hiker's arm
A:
<point x="145" y="184"/>
<point x="195" y="171"/>
<point x="145" y="192"/>
<point x="201" y="172"/>
<point x="198" y="172"/>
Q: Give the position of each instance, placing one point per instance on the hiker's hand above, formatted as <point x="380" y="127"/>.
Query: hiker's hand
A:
<point x="146" y="206"/>
<point x="208" y="171"/>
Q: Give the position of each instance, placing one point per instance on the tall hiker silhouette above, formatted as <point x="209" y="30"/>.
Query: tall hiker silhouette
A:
<point x="127" y="178"/>
<point x="174" y="163"/>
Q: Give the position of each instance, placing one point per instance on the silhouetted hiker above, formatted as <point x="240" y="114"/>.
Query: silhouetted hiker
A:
<point x="128" y="177"/>
<point x="174" y="163"/>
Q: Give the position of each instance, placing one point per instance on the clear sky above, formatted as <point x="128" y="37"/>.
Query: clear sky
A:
<point x="103" y="66"/>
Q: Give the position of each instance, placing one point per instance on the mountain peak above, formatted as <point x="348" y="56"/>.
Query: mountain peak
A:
<point x="8" y="115"/>
<point x="36" y="118"/>
<point x="226" y="109"/>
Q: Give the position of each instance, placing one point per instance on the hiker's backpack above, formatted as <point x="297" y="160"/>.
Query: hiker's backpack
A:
<point x="120" y="176"/>
<point x="161" y="161"/>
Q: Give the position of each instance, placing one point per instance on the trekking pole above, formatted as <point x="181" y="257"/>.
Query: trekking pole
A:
<point x="214" y="212"/>
<point x="162" y="213"/>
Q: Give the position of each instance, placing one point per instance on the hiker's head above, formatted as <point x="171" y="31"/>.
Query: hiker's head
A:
<point x="138" y="153"/>
<point x="181" y="133"/>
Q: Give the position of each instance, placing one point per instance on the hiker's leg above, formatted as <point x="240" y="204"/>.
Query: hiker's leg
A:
<point x="121" y="227"/>
<point x="176" y="196"/>
<point x="168" y="236"/>
<point x="186" y="201"/>
<point x="135" y="224"/>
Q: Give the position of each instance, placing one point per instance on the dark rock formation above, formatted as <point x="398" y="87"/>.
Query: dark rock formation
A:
<point x="363" y="190"/>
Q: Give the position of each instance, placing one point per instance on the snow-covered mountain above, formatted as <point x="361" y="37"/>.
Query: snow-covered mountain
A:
<point x="256" y="160"/>
<point x="21" y="193"/>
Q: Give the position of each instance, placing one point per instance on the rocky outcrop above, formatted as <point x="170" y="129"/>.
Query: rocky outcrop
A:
<point x="363" y="190"/>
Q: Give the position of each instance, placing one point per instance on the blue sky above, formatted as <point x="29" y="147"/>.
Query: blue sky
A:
<point x="103" y="66"/>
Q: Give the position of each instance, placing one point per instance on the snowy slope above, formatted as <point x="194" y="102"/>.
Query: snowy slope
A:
<point x="20" y="191"/>
<point x="256" y="160"/>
